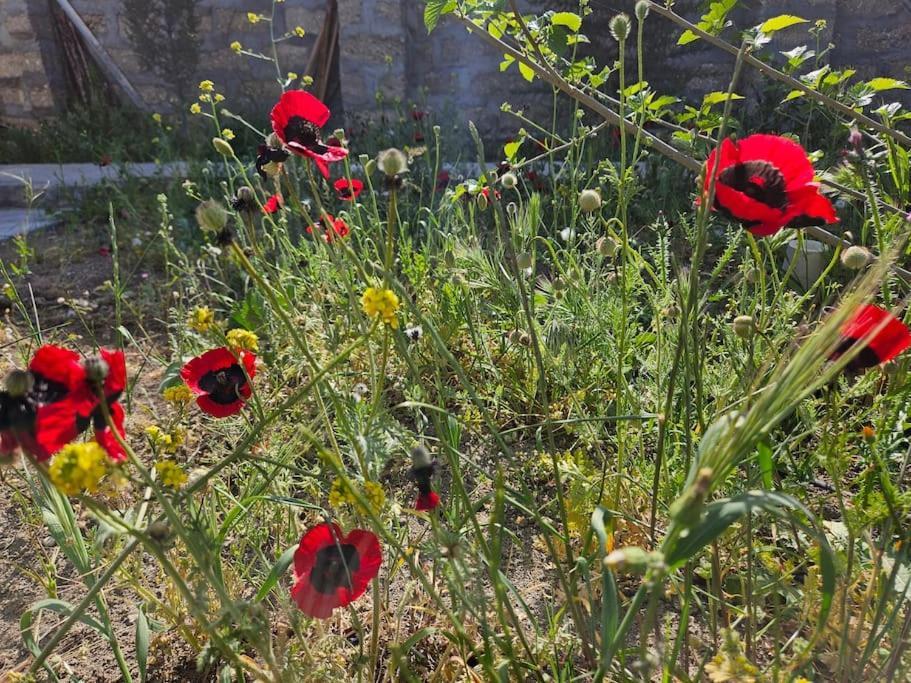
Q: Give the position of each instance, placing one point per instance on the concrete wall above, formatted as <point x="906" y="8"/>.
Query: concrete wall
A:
<point x="384" y="47"/>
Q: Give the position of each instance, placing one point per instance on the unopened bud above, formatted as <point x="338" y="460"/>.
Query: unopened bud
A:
<point x="752" y="275"/>
<point x="524" y="260"/>
<point x="606" y="246"/>
<point x="159" y="532"/>
<point x="420" y="457"/>
<point x="589" y="201"/>
<point x="559" y="284"/>
<point x="273" y="141"/>
<point x="856" y="258"/>
<point x="211" y="216"/>
<point x="631" y="560"/>
<point x="392" y="161"/>
<point x="642" y="9"/>
<point x="19" y="383"/>
<point x="744" y="326"/>
<point x="96" y="369"/>
<point x="370" y="167"/>
<point x="509" y="180"/>
<point x="619" y="27"/>
<point x="482" y="202"/>
<point x="223" y="147"/>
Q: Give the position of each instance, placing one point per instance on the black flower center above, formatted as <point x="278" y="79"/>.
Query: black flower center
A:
<point x="334" y="567"/>
<point x="422" y="476"/>
<point x="758" y="180"/>
<point x="304" y="133"/>
<point x="16" y="412"/>
<point x="223" y="386"/>
<point x="45" y="390"/>
<point x="865" y="358"/>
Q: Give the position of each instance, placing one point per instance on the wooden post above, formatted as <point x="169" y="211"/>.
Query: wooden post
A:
<point x="101" y="57"/>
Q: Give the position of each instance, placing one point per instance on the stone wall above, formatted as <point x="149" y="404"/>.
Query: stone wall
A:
<point x="385" y="48"/>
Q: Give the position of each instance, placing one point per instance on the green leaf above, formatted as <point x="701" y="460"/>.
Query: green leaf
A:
<point x="570" y="20"/>
<point x="782" y="21"/>
<point x="280" y="567"/>
<point x="687" y="37"/>
<point x="510" y="149"/>
<point x="434" y="10"/>
<point x="718" y="97"/>
<point x="527" y="72"/>
<point x="793" y="95"/>
<point x="507" y="62"/>
<point x="610" y="604"/>
<point x="886" y="84"/>
<point x="764" y="456"/>
<point x="142" y="644"/>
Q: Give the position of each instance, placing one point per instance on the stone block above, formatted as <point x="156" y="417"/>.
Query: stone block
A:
<point x="41" y="98"/>
<point x="349" y="12"/>
<point x="19" y="26"/>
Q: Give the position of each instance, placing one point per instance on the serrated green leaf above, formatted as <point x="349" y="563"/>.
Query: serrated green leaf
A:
<point x="570" y="20"/>
<point x="434" y="10"/>
<point x="782" y="21"/>
<point x="793" y="95"/>
<point x="510" y="149"/>
<point x="882" y="83"/>
<point x="687" y="37"/>
<point x="507" y="62"/>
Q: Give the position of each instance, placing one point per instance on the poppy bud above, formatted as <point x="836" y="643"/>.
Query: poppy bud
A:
<point x="606" y="246"/>
<point x="512" y="209"/>
<point x="19" y="383"/>
<point x="244" y="200"/>
<point x="223" y="147"/>
<point x="855" y="258"/>
<point x="392" y="161"/>
<point x="619" y="27"/>
<point x="96" y="369"/>
<point x="436" y="131"/>
<point x="363" y="159"/>
<point x="642" y="9"/>
<point x="631" y="560"/>
<point x="273" y="141"/>
<point x="211" y="216"/>
<point x="420" y="457"/>
<point x="744" y="326"/>
<point x="523" y="260"/>
<point x="509" y="180"/>
<point x="339" y="134"/>
<point x="589" y="201"/>
<point x="687" y="509"/>
<point x="482" y="202"/>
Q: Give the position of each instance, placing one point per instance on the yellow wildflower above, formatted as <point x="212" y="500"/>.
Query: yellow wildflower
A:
<point x="205" y="97"/>
<point x="307" y="81"/>
<point x="243" y="340"/>
<point x="156" y="117"/>
<point x="195" y="108"/>
<point x="202" y="318"/>
<point x="236" y="46"/>
<point x="381" y="303"/>
<point x="299" y="31"/>
<point x="219" y="97"/>
<point x="207" y="86"/>
<point x="375" y="495"/>
<point x="171" y="474"/>
<point x="254" y="18"/>
<point x="340" y="494"/>
<point x="165" y="442"/>
<point x="78" y="467"/>
<point x="178" y="394"/>
<point x="292" y="76"/>
<point x="227" y="134"/>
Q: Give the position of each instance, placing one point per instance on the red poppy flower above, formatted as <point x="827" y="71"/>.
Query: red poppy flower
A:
<point x="338" y="227"/>
<point x="766" y="183"/>
<point x="219" y="378"/>
<point x="885" y="337"/>
<point x="346" y="191"/>
<point x="332" y="570"/>
<point x="418" y="115"/>
<point x="421" y="472"/>
<point x="442" y="180"/>
<point x="297" y="120"/>
<point x="273" y="204"/>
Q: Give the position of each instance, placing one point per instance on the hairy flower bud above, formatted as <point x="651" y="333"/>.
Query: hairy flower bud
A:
<point x="509" y="180"/>
<point x="482" y="202"/>
<point x="606" y="246"/>
<point x="420" y="457"/>
<point x="96" y="369"/>
<point x="642" y="10"/>
<point x="211" y="216"/>
<point x="619" y="27"/>
<point x="392" y="161"/>
<point x="589" y="201"/>
<point x="855" y="258"/>
<point x="223" y="147"/>
<point x="19" y="383"/>
<point x="744" y="326"/>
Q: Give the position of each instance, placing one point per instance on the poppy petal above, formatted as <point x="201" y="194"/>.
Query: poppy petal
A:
<point x="116" y="381"/>
<point x="884" y="335"/>
<point x="58" y="365"/>
<point x="56" y="424"/>
<point x="216" y="409"/>
<point x="427" y="501"/>
<point x="298" y="103"/>
<point x="210" y="361"/>
<point x="106" y="438"/>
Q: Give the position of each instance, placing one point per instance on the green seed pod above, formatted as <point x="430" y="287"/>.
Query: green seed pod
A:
<point x="855" y="258"/>
<point x="211" y="216"/>
<point x="509" y="181"/>
<point x="392" y="161"/>
<point x="619" y="27"/>
<point x="642" y="10"/>
<point x="606" y="246"/>
<point x="223" y="147"/>
<point x="744" y="326"/>
<point x="589" y="201"/>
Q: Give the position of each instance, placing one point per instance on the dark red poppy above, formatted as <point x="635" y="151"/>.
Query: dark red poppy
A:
<point x="766" y="183"/>
<point x="297" y="120"/>
<point x="442" y="180"/>
<point x="332" y="570"/>
<point x="273" y="204"/>
<point x="219" y="378"/>
<point x="418" y="115"/>
<point x="336" y="227"/>
<point x="348" y="191"/>
<point x="885" y="337"/>
<point x="418" y="136"/>
<point x="60" y="422"/>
